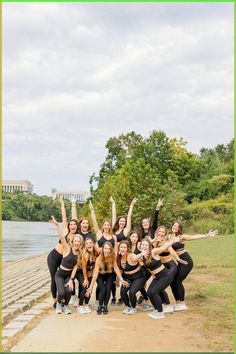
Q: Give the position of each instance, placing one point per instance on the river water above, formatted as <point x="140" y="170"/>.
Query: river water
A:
<point x="22" y="239"/>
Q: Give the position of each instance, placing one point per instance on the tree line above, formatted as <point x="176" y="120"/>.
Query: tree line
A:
<point x="196" y="188"/>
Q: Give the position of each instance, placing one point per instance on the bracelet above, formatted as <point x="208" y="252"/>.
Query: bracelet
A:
<point x="121" y="279"/>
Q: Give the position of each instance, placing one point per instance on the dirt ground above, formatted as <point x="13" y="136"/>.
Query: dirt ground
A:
<point x="115" y="332"/>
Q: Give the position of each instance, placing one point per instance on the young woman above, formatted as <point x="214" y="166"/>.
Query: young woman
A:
<point x="133" y="273"/>
<point x="84" y="223"/>
<point x="183" y="269"/>
<point x="162" y="276"/>
<point x="55" y="256"/>
<point x="146" y="229"/>
<point x="121" y="226"/>
<point x="161" y="236"/>
<point x="104" y="266"/>
<point x="63" y="281"/>
<point x="89" y="256"/>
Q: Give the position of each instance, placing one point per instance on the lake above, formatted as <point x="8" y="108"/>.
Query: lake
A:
<point x="22" y="239"/>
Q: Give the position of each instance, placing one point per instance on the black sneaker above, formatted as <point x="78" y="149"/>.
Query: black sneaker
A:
<point x="105" y="310"/>
<point x="99" y="310"/>
<point x="113" y="301"/>
<point x="140" y="299"/>
<point x="120" y="302"/>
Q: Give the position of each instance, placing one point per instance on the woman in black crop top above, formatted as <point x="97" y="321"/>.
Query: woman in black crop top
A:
<point x="71" y="256"/>
<point x="145" y="227"/>
<point x="183" y="269"/>
<point x="162" y="276"/>
<point x="128" y="262"/>
<point x="104" y="266"/>
<point x="55" y="256"/>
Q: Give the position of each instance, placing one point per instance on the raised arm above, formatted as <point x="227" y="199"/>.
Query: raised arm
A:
<point x="94" y="221"/>
<point x="155" y="218"/>
<point x="127" y="229"/>
<point x="135" y="257"/>
<point x="210" y="233"/>
<point x="63" y="213"/>
<point x="53" y="221"/>
<point x="113" y="209"/>
<point x="166" y="245"/>
<point x="73" y="209"/>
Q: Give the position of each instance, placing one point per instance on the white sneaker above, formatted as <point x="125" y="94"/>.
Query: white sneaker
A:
<point x="126" y="310"/>
<point x="87" y="309"/>
<point x="58" y="308"/>
<point x="67" y="310"/>
<point x="168" y="309"/>
<point x="76" y="302"/>
<point x="147" y="307"/>
<point x="72" y="300"/>
<point x="156" y="314"/>
<point x="180" y="307"/>
<point x="132" y="311"/>
<point x="81" y="310"/>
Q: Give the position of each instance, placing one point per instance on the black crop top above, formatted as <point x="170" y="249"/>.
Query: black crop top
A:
<point x="70" y="260"/>
<point x="86" y="235"/>
<point x="137" y="251"/>
<point x="121" y="236"/>
<point x="102" y="240"/>
<point x="155" y="264"/>
<point x="126" y="267"/>
<point x="177" y="246"/>
<point x="90" y="266"/>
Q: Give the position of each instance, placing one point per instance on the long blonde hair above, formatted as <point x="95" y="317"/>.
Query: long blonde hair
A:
<point x="89" y="256"/>
<point x="79" y="259"/>
<point x="147" y="260"/>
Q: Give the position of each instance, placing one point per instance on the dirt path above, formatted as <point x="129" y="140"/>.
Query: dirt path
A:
<point x="114" y="332"/>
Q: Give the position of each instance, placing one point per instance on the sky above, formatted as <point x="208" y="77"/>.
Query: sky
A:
<point x="76" y="74"/>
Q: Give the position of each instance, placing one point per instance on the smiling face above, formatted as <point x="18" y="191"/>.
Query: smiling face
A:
<point x="84" y="225"/>
<point x="76" y="243"/>
<point x="161" y="232"/>
<point x="175" y="228"/>
<point x="144" y="246"/>
<point x="122" y="223"/>
<point x="123" y="248"/>
<point x="89" y="245"/>
<point x="73" y="227"/>
<point x="106" y="227"/>
<point x="134" y="238"/>
<point x="146" y="224"/>
<point x="106" y="250"/>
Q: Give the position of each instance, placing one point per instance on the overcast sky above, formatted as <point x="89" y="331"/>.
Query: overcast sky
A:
<point x="75" y="74"/>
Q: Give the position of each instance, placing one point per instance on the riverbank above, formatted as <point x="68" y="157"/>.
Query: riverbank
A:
<point x="206" y="326"/>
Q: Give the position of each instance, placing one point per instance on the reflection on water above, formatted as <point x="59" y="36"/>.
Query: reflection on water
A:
<point x="23" y="239"/>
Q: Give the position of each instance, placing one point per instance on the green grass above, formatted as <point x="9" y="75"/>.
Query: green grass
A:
<point x="210" y="289"/>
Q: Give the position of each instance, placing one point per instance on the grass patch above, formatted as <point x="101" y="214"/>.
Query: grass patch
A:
<point x="210" y="289"/>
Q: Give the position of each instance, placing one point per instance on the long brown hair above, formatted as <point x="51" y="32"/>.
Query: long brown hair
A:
<point x="68" y="225"/>
<point x="128" y="237"/>
<point x="123" y="242"/>
<point x="180" y="227"/>
<point x="109" y="261"/>
<point x="107" y="220"/>
<point x="147" y="260"/>
<point x="116" y="226"/>
<point x="89" y="224"/>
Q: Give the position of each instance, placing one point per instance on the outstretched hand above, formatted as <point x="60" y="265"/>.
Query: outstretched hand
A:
<point x="134" y="201"/>
<point x="73" y="199"/>
<point x="212" y="233"/>
<point x="53" y="220"/>
<point x="90" y="205"/>
<point x="111" y="200"/>
<point x="159" y="204"/>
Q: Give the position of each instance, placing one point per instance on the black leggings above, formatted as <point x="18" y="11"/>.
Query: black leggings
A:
<point x="62" y="277"/>
<point x="104" y="282"/>
<point x="54" y="260"/>
<point x="113" y="288"/>
<point x="182" y="273"/>
<point x="82" y="298"/>
<point x="171" y="265"/>
<point x="160" y="283"/>
<point x="137" y="282"/>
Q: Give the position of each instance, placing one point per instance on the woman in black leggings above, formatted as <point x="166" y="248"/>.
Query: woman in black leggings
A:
<point x="183" y="269"/>
<point x="55" y="256"/>
<point x="71" y="256"/>
<point x="162" y="276"/>
<point x="167" y="258"/>
<point x="104" y="266"/>
<point x="133" y="273"/>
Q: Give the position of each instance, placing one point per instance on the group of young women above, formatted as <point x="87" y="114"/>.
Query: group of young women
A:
<point x="146" y="260"/>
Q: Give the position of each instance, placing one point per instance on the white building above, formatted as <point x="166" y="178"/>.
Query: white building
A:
<point x="79" y="196"/>
<point x="11" y="185"/>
